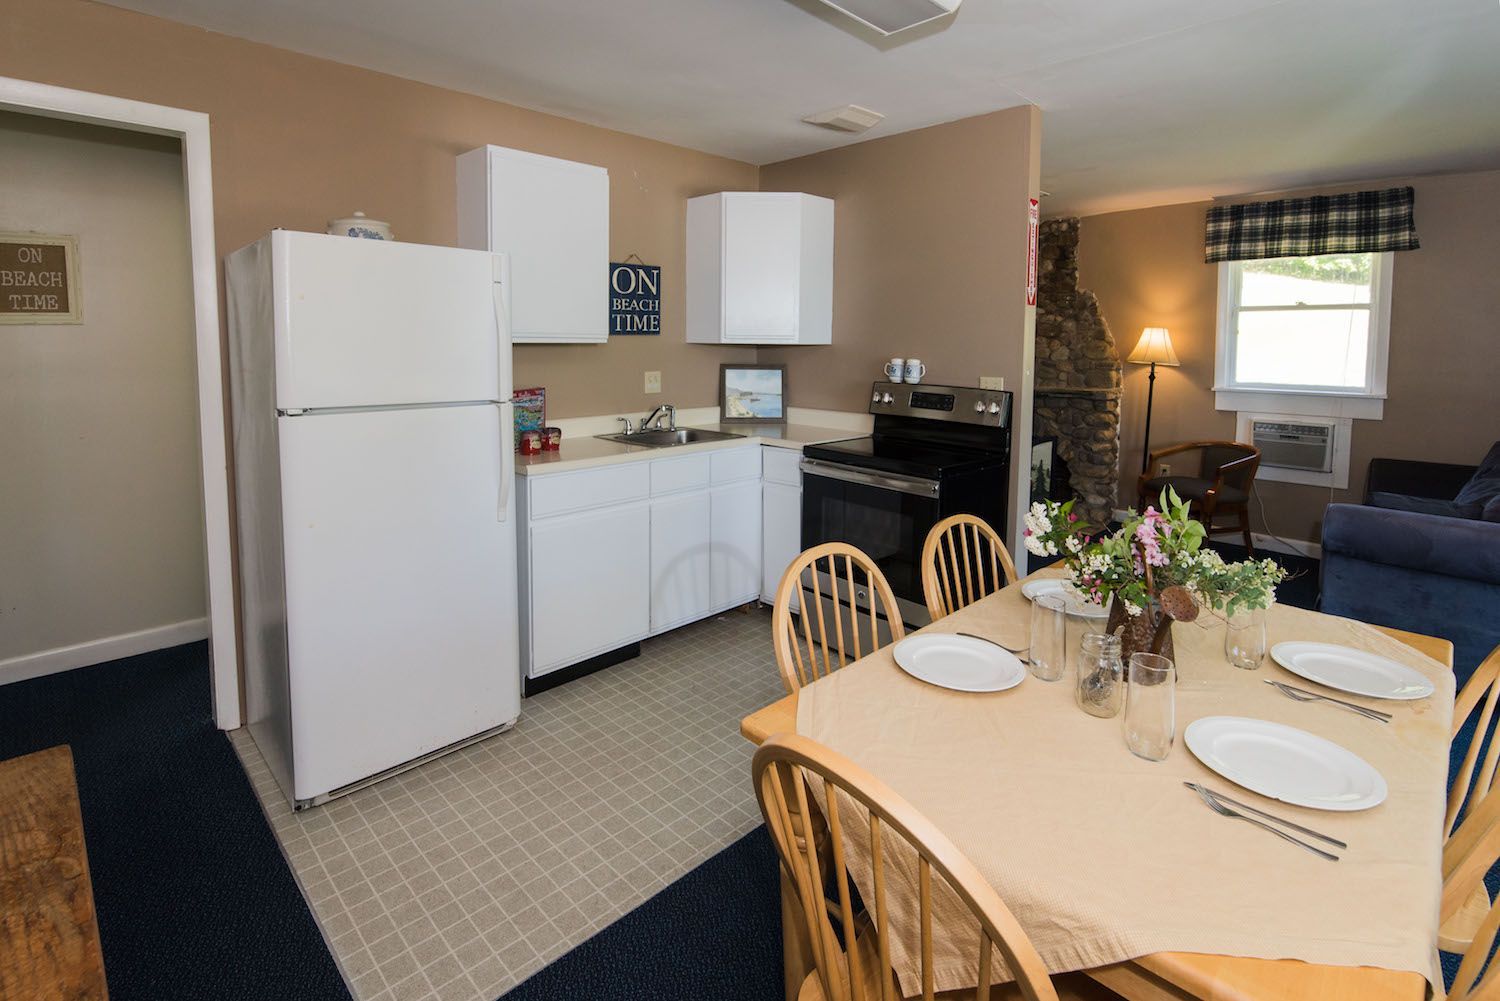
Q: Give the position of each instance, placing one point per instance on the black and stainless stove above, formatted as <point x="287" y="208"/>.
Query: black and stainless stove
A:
<point x="934" y="451"/>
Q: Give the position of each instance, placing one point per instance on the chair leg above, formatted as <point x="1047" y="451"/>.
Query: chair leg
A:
<point x="1245" y="528"/>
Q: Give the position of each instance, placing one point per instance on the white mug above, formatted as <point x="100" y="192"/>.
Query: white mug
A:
<point x="914" y="370"/>
<point x="895" y="368"/>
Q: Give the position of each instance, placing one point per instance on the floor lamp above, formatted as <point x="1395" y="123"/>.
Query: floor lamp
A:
<point x="1154" y="348"/>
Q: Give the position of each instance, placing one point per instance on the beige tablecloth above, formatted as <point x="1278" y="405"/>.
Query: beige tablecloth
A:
<point x="1104" y="857"/>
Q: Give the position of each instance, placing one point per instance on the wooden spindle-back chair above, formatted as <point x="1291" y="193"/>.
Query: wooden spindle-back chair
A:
<point x="963" y="560"/>
<point x="1470" y="853"/>
<point x="858" y="968"/>
<point x="847" y="629"/>
<point x="1472" y="787"/>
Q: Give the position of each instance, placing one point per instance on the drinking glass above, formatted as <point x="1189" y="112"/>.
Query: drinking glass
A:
<point x="1101" y="682"/>
<point x="1150" y="710"/>
<point x="1245" y="638"/>
<point x="1049" y="632"/>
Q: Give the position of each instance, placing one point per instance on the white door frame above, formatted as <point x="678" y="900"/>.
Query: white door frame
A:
<point x="192" y="128"/>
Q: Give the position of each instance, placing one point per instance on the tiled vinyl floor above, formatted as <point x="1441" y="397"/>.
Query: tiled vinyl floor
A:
<point x="458" y="879"/>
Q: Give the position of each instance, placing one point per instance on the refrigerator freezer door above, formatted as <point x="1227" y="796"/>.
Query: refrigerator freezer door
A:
<point x="367" y="323"/>
<point x="400" y="586"/>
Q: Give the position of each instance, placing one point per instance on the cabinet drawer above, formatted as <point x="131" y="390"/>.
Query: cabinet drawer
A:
<point x="736" y="464"/>
<point x="782" y="465"/>
<point x="559" y="493"/>
<point x="670" y="476"/>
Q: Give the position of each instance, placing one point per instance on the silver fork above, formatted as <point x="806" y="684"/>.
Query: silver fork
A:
<point x="1225" y="811"/>
<point x="1302" y="695"/>
<point x="1020" y="652"/>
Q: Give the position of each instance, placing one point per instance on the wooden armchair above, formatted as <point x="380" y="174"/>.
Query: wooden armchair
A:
<point x="1226" y="474"/>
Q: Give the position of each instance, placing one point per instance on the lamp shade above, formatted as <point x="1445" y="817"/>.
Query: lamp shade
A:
<point x="1155" y="346"/>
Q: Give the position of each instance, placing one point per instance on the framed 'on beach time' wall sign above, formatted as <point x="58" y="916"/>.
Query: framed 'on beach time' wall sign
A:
<point x="39" y="279"/>
<point x="752" y="394"/>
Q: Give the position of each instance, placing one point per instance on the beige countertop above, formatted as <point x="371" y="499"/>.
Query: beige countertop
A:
<point x="586" y="452"/>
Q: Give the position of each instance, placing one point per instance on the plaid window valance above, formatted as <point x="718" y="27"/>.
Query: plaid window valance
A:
<point x="1354" y="223"/>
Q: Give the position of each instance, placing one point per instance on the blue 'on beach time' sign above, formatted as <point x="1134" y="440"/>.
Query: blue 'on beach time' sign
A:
<point x="634" y="299"/>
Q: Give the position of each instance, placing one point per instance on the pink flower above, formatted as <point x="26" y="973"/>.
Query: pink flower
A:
<point x="1072" y="516"/>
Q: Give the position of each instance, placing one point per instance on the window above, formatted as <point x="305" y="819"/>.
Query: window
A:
<point x="1309" y="326"/>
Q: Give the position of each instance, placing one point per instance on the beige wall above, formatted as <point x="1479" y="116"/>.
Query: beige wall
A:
<point x="298" y="140"/>
<point x="1147" y="269"/>
<point x="929" y="255"/>
<point x="100" y="500"/>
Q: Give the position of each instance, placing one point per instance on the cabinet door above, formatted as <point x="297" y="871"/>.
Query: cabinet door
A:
<point x="680" y="562"/>
<point x="589" y="584"/>
<point x="762" y="267"/>
<point x="736" y="544"/>
<point x="782" y="527"/>
<point x="552" y="217"/>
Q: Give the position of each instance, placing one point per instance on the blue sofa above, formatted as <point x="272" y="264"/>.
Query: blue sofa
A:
<point x="1422" y="554"/>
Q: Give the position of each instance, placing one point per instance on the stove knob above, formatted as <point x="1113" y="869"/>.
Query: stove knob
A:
<point x="887" y="398"/>
<point x="875" y="398"/>
<point x="979" y="407"/>
<point x="994" y="408"/>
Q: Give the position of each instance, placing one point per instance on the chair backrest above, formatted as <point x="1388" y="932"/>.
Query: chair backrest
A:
<point x="827" y="582"/>
<point x="782" y="768"/>
<point x="1469" y="854"/>
<point x="963" y="560"/>
<point x="1218" y="454"/>
<point x="1468" y="787"/>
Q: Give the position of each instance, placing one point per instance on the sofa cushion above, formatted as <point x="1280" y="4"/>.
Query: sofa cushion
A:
<point x="1425" y="505"/>
<point x="1484" y="485"/>
<point x="1491" y="510"/>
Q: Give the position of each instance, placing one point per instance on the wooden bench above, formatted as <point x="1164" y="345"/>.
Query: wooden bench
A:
<point x="49" y="939"/>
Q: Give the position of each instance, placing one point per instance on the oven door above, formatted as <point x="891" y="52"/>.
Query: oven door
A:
<point x="883" y="514"/>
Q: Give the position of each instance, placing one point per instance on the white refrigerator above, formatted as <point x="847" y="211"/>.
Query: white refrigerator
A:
<point x="371" y="386"/>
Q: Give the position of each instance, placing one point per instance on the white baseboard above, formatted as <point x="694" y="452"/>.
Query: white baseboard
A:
<point x="1292" y="547"/>
<point x="34" y="665"/>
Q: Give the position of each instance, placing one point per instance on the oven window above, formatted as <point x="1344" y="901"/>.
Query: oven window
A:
<point x="888" y="525"/>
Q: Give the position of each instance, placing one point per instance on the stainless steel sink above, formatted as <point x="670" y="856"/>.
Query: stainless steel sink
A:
<point x="667" y="439"/>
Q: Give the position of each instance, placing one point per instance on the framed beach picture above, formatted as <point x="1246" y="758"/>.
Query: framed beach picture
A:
<point x="752" y="394"/>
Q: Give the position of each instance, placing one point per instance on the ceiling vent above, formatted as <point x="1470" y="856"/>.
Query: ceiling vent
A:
<point x="891" y="16"/>
<point x="849" y="118"/>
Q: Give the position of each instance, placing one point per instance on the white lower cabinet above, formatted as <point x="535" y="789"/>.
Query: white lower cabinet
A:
<point x="736" y="544"/>
<point x="781" y="518"/>
<point x="612" y="555"/>
<point x="587" y="592"/>
<point x="681" y="565"/>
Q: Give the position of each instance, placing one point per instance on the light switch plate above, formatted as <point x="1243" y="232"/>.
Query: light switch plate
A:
<point x="992" y="382"/>
<point x="653" y="382"/>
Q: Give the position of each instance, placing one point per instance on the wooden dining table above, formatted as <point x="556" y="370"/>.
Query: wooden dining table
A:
<point x="1163" y="975"/>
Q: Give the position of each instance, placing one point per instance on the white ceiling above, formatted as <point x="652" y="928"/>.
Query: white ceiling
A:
<point x="1144" y="101"/>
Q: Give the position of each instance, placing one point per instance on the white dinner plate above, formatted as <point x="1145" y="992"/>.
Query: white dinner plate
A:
<point x="1032" y="589"/>
<point x="961" y="663"/>
<point x="1354" y="671"/>
<point x="1285" y="763"/>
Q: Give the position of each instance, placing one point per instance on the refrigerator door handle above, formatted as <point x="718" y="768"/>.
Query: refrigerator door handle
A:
<point x="501" y="296"/>
<point x="507" y="461"/>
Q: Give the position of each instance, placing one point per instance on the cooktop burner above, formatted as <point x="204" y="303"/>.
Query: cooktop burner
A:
<point x="904" y="456"/>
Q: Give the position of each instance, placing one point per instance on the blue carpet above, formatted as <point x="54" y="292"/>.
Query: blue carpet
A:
<point x="193" y="897"/>
<point x="715" y="933"/>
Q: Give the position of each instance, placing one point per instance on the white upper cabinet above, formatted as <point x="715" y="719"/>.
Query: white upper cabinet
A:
<point x="760" y="268"/>
<point x="552" y="217"/>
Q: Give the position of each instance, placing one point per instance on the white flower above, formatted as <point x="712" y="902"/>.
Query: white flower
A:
<point x="1132" y="609"/>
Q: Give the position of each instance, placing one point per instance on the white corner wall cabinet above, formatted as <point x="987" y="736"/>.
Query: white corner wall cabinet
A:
<point x="552" y="217"/>
<point x="759" y="268"/>
<point x="611" y="555"/>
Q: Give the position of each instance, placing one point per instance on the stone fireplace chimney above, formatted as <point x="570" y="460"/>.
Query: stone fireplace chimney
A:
<point x="1077" y="375"/>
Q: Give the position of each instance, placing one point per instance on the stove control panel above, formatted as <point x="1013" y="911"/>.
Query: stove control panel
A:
<point x="988" y="407"/>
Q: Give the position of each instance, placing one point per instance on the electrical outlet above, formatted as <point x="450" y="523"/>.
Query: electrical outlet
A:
<point x="992" y="382"/>
<point x="653" y="382"/>
<point x="1163" y="469"/>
